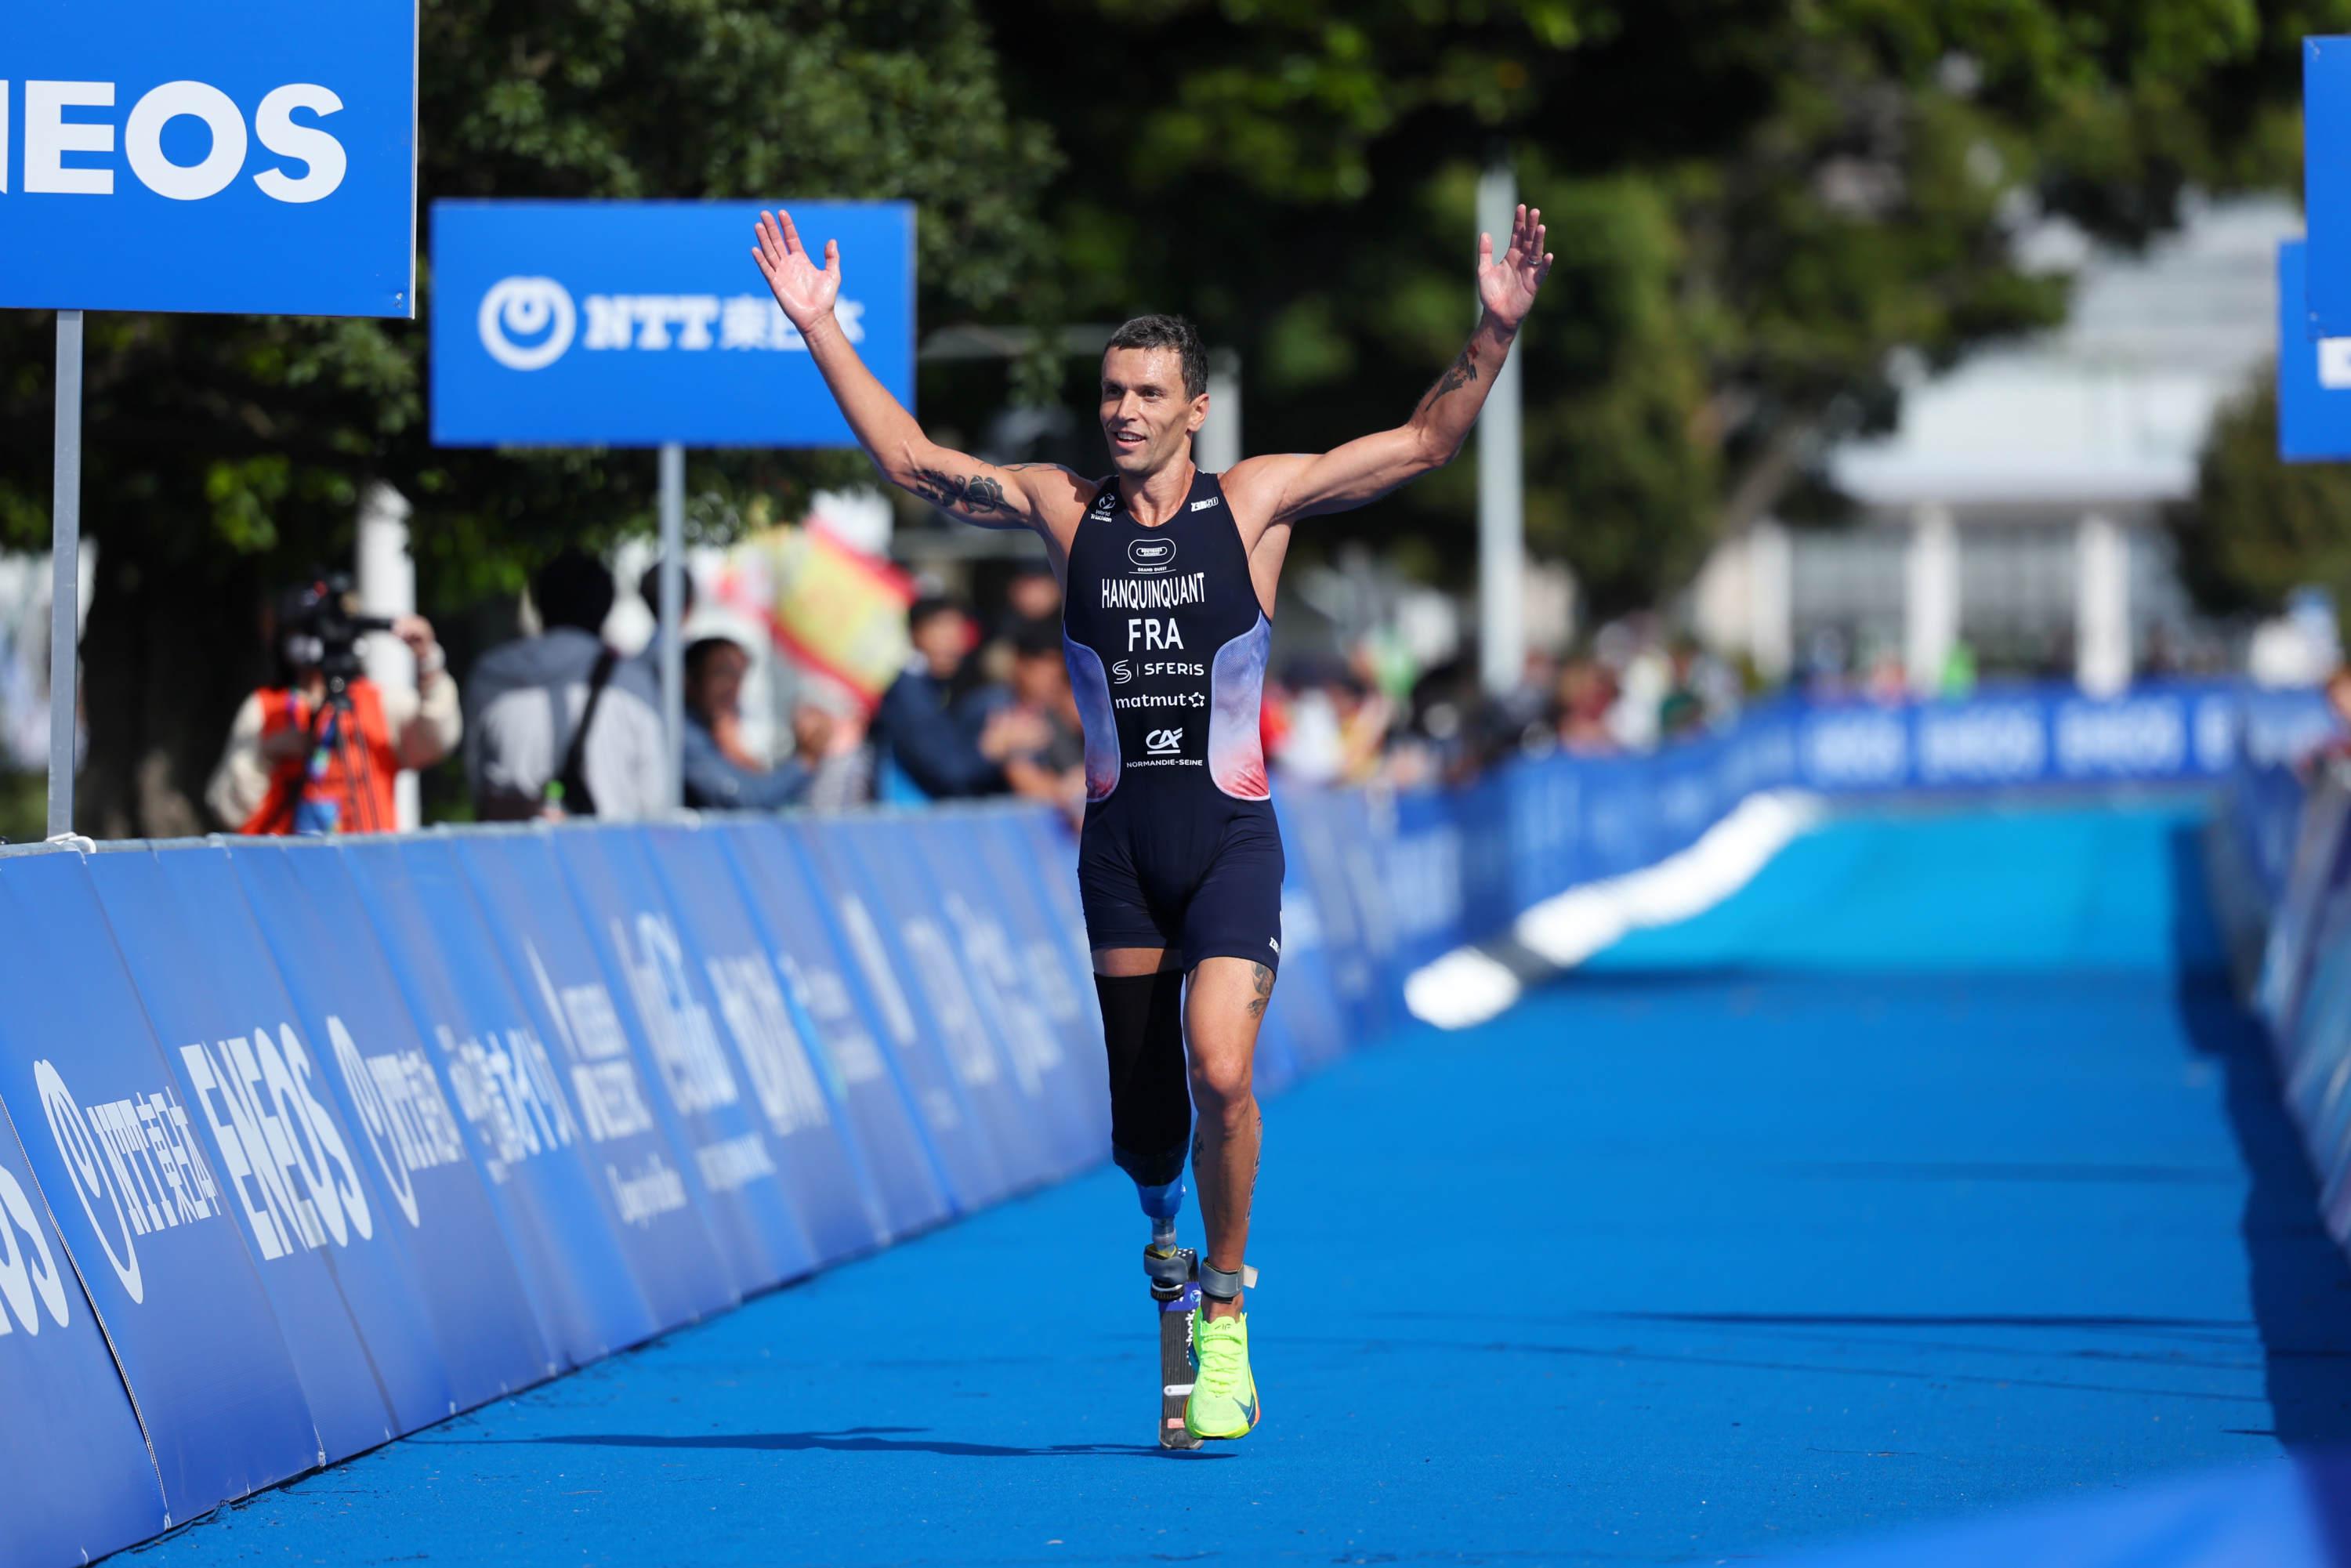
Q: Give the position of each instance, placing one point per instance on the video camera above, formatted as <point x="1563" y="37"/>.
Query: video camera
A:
<point x="317" y="626"/>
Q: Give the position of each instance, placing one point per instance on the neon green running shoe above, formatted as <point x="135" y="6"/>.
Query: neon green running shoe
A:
<point x="1224" y="1396"/>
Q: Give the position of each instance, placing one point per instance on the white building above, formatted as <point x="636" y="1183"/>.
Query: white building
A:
<point x="2018" y="504"/>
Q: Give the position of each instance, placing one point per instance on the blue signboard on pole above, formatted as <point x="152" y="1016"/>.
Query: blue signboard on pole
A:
<point x="162" y="156"/>
<point x="2313" y="374"/>
<point x="642" y="323"/>
<point x="2325" y="310"/>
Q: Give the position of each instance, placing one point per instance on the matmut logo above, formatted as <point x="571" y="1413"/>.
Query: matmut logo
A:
<point x="529" y="323"/>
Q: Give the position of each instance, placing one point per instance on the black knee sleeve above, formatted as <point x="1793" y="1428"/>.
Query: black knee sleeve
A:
<point x="1150" y="1095"/>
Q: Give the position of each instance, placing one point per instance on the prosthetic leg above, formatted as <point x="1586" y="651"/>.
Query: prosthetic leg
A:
<point x="1175" y="1274"/>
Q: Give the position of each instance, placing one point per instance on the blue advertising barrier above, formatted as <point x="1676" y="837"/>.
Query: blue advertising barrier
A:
<point x="520" y="1126"/>
<point x="340" y="980"/>
<point x="268" y="149"/>
<point x="963" y="1146"/>
<point x="625" y="1144"/>
<point x="929" y="1018"/>
<point x="1005" y="1091"/>
<point x="144" y="1212"/>
<point x="519" y="1040"/>
<point x="637" y="323"/>
<point x="756" y="1216"/>
<point x="1069" y="1093"/>
<point x="800" y="1089"/>
<point x="78" y="1468"/>
<point x="348" y="1302"/>
<point x="820" y="979"/>
<point x="1060" y="972"/>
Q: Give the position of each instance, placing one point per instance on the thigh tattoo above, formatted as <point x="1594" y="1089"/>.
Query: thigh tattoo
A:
<point x="1263" y="979"/>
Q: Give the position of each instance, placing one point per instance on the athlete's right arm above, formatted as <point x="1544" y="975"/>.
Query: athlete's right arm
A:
<point x="1019" y="495"/>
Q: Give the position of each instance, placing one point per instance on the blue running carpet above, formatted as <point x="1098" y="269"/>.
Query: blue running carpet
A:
<point x="1934" y="1172"/>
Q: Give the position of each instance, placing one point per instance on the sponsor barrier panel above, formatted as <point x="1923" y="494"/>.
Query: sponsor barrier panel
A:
<point x="870" y="856"/>
<point x="409" y="1142"/>
<point x="564" y="1088"/>
<point x="629" y="1145"/>
<point x="820" y="979"/>
<point x="797" y="1086"/>
<point x="348" y="1302"/>
<point x="1065" y="1089"/>
<point x="754" y="1215"/>
<point x="80" y="1480"/>
<point x="980" y="1158"/>
<point x="144" y="1211"/>
<point x="1325" y="834"/>
<point x="519" y="1124"/>
<point x="1061" y="973"/>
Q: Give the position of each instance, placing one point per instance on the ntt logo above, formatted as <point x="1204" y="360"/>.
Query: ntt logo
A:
<point x="530" y="323"/>
<point x="532" y="308"/>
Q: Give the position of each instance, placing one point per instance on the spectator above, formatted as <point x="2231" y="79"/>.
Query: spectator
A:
<point x="719" y="772"/>
<point x="562" y="724"/>
<point x="1587" y="690"/>
<point x="1033" y="595"/>
<point x="924" y="752"/>
<point x="649" y="589"/>
<point x="2336" y="747"/>
<point x="1052" y="765"/>
<point x="830" y="738"/>
<point x="297" y="762"/>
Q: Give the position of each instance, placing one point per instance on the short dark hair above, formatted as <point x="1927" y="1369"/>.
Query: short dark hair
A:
<point x="1168" y="332"/>
<point x="648" y="590"/>
<point x="573" y="589"/>
<point x="933" y="605"/>
<point x="1037" y="639"/>
<point x="702" y="650"/>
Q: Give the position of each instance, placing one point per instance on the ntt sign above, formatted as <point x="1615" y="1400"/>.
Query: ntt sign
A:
<point x="643" y="323"/>
<point x="250" y="156"/>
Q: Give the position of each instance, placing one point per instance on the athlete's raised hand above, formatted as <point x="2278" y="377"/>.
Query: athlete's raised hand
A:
<point x="805" y="290"/>
<point x="1507" y="287"/>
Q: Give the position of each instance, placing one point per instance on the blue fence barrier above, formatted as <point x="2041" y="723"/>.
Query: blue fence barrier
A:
<point x="304" y="1146"/>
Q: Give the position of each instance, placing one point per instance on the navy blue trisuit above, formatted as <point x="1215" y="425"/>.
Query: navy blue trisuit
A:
<point x="1166" y="646"/>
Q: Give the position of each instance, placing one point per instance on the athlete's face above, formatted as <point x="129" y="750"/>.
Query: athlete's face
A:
<point x="1145" y="416"/>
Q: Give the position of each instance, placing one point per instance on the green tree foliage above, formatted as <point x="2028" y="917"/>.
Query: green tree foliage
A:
<point x="226" y="453"/>
<point x="1755" y="207"/>
<point x="2259" y="526"/>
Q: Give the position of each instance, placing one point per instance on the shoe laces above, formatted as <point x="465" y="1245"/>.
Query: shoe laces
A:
<point x="1219" y="1350"/>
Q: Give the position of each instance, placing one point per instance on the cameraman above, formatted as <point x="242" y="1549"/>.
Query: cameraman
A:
<point x="317" y="752"/>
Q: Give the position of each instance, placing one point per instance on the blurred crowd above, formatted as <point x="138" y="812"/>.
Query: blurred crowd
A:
<point x="559" y="723"/>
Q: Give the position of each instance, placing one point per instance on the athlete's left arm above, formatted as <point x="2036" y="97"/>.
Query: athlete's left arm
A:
<point x="1283" y="488"/>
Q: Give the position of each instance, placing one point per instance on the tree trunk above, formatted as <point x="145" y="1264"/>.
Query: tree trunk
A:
<point x="166" y="658"/>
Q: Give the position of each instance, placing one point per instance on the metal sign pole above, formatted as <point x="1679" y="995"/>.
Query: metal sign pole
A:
<point x="1501" y="521"/>
<point x="673" y="616"/>
<point x="65" y="577"/>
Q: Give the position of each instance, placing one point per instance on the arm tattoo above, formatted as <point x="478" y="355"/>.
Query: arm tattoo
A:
<point x="980" y="495"/>
<point x="1458" y="374"/>
<point x="1263" y="979"/>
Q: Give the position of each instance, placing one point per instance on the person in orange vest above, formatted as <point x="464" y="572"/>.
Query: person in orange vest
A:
<point x="318" y="751"/>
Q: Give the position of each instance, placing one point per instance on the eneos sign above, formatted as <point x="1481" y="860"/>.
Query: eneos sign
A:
<point x="173" y="155"/>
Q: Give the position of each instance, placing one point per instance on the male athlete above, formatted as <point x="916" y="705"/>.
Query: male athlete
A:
<point x="1168" y="576"/>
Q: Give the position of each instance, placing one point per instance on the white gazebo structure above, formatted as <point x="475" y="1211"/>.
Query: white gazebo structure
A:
<point x="2018" y="504"/>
